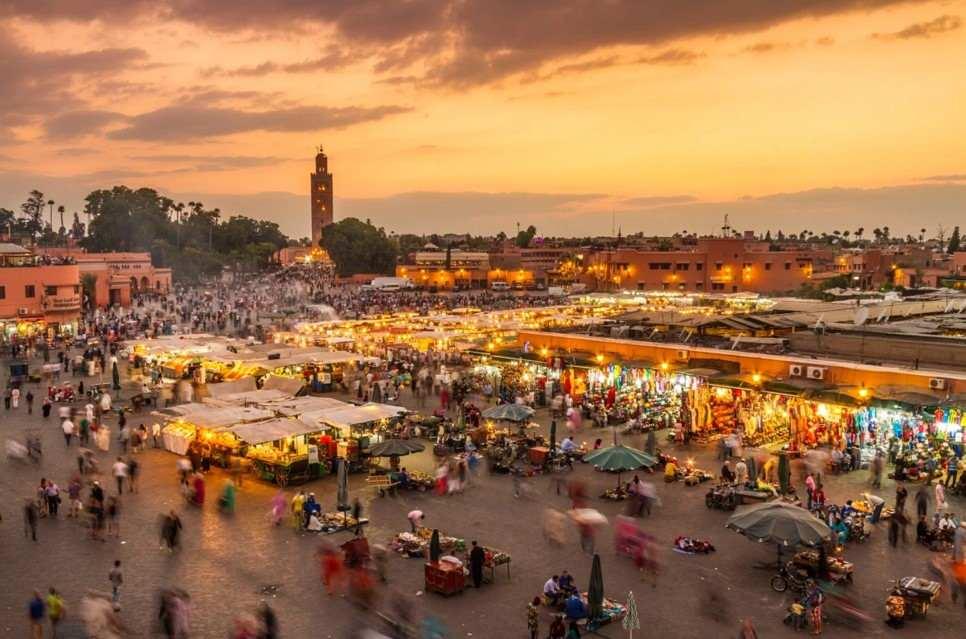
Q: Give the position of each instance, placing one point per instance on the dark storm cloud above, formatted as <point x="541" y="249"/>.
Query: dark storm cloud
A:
<point x="467" y="42"/>
<point x="938" y="26"/>
<point x="75" y="124"/>
<point x="193" y="122"/>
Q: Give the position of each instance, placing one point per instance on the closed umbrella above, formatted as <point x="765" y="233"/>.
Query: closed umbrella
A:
<point x="595" y="591"/>
<point x="619" y="459"/>
<point x="116" y="376"/>
<point x="553" y="436"/>
<point x="752" y="468"/>
<point x="434" y="548"/>
<point x="650" y="447"/>
<point x="784" y="474"/>
<point x="343" y="489"/>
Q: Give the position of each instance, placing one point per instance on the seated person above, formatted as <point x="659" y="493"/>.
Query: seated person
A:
<point x="551" y="590"/>
<point x="566" y="583"/>
<point x="574" y="607"/>
<point x="315" y="524"/>
<point x="557" y="628"/>
<point x="403" y="477"/>
<point x="837" y="459"/>
<point x="841" y="530"/>
<point x="670" y="471"/>
<point x="568" y="446"/>
<point x="727" y="475"/>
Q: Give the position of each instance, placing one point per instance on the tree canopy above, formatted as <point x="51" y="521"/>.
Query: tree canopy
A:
<point x="359" y="247"/>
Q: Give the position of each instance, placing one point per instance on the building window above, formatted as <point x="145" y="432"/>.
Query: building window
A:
<point x="788" y="266"/>
<point x="682" y="266"/>
<point x="681" y="286"/>
<point x="659" y="266"/>
<point x="50" y="290"/>
<point x="718" y="266"/>
<point x="3" y="292"/>
<point x="717" y="286"/>
<point x="698" y="286"/>
<point x="699" y="266"/>
<point x="767" y="266"/>
<point x="30" y="290"/>
<point x="746" y="265"/>
<point x="665" y="285"/>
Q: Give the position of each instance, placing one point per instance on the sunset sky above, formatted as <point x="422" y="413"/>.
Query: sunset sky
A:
<point x="473" y="115"/>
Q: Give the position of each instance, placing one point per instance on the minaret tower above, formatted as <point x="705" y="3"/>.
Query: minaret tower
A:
<point x="321" y="196"/>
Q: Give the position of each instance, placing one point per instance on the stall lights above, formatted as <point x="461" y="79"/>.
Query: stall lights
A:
<point x="544" y="352"/>
<point x="599" y="358"/>
<point x="665" y="366"/>
<point x="864" y="393"/>
<point x="756" y="378"/>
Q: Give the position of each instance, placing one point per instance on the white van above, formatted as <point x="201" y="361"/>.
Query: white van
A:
<point x="390" y="284"/>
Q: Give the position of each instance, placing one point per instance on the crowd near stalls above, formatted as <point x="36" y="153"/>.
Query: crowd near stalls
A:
<point x="282" y="438"/>
<point x="704" y="404"/>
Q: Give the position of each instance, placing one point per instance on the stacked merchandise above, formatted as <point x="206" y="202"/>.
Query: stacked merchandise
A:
<point x="417" y="544"/>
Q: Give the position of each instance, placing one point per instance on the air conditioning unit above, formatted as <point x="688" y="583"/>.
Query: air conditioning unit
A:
<point x="816" y="372"/>
<point x="937" y="383"/>
<point x="682" y="356"/>
<point x="796" y="370"/>
<point x="23" y="311"/>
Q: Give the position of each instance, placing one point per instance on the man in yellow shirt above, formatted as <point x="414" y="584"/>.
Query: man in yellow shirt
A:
<point x="55" y="610"/>
<point x="298" y="502"/>
<point x="670" y="471"/>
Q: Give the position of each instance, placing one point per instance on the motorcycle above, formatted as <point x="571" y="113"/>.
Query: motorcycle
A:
<point x="789" y="577"/>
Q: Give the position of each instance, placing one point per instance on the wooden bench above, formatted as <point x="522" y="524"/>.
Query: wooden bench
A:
<point x="383" y="483"/>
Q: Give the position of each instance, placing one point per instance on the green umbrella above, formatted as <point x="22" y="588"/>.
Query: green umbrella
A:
<point x="779" y="523"/>
<point x="395" y="448"/>
<point x="752" y="468"/>
<point x="595" y="592"/>
<point x="784" y="474"/>
<point x="509" y="413"/>
<point x="619" y="458"/>
<point x="434" y="549"/>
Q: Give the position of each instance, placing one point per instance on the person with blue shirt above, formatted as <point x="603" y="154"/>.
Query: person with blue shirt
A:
<point x="37" y="612"/>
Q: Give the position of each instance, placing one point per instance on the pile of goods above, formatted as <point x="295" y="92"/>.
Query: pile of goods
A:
<point x="333" y="522"/>
<point x="614" y="494"/>
<point x="416" y="544"/>
<point x="836" y="565"/>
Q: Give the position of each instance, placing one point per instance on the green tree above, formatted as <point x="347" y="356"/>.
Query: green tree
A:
<point x="525" y="237"/>
<point x="954" y="241"/>
<point x="359" y="247"/>
<point x="33" y="211"/>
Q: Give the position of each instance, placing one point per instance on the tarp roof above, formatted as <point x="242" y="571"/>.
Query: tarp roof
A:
<point x="283" y="385"/>
<point x="219" y="417"/>
<point x="223" y="389"/>
<point x="351" y="415"/>
<point x="273" y="429"/>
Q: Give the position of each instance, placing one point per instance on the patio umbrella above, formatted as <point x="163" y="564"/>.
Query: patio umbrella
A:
<point x="115" y="376"/>
<point x="509" y="413"/>
<point x="784" y="474"/>
<point x="595" y="591"/>
<point x="779" y="523"/>
<point x="434" y="549"/>
<point x="395" y="448"/>
<point x="619" y="459"/>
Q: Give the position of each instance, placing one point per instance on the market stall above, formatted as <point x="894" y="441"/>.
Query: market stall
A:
<point x="282" y="450"/>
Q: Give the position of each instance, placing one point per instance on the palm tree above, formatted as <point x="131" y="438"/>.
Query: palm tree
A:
<point x="60" y="209"/>
<point x="922" y="235"/>
<point x="50" y="203"/>
<point x="859" y="232"/>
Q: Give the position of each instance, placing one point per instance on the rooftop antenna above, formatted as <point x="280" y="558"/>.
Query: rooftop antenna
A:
<point x="726" y="229"/>
<point x="613" y="219"/>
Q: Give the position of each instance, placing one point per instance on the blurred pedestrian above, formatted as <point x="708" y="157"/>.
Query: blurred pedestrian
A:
<point x="30" y="516"/>
<point x="533" y="617"/>
<point x="36" y="614"/>
<point x="268" y="622"/>
<point x="55" y="610"/>
<point x="116" y="577"/>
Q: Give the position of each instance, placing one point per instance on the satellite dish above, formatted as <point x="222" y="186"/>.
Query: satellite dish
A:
<point x="861" y="316"/>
